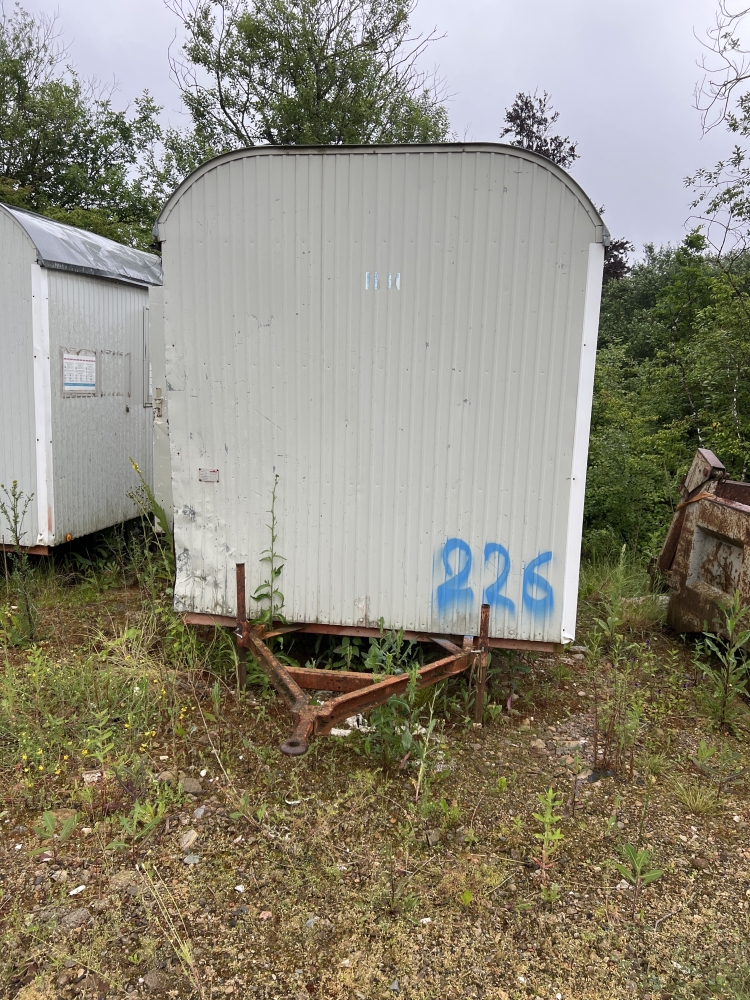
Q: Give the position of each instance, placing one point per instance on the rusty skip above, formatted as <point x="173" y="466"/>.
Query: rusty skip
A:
<point x="353" y="692"/>
<point x="706" y="554"/>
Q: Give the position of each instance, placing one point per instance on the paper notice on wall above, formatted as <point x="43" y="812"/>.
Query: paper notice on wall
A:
<point x="79" y="374"/>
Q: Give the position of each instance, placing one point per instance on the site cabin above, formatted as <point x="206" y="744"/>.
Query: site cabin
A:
<point x="75" y="386"/>
<point x="401" y="340"/>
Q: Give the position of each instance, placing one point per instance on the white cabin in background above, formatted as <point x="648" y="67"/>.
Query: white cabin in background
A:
<point x="75" y="375"/>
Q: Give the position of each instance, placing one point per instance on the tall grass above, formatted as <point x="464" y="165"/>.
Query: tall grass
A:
<point x="96" y="697"/>
<point x="619" y="592"/>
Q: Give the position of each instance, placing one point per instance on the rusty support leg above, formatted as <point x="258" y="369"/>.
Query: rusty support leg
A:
<point x="297" y="744"/>
<point x="241" y="618"/>
<point x="484" y="632"/>
<point x="293" y="695"/>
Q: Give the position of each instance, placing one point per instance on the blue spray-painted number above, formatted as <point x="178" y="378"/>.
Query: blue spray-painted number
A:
<point x="532" y="581"/>
<point x="493" y="594"/>
<point x="454" y="592"/>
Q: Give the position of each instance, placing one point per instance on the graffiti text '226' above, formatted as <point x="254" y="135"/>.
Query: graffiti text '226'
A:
<point x="455" y="592"/>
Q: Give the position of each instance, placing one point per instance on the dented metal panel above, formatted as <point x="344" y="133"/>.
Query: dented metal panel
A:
<point x="406" y="337"/>
<point x="706" y="555"/>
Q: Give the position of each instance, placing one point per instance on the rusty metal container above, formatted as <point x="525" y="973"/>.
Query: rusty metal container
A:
<point x="706" y="554"/>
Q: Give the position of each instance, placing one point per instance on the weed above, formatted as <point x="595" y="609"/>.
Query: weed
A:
<point x="178" y="936"/>
<point x="398" y="882"/>
<point x="447" y="813"/>
<point x="562" y="672"/>
<point x="550" y="893"/>
<point x="394" y="726"/>
<point x="607" y="580"/>
<point x="389" y="653"/>
<point x="738" y="982"/>
<point x="728" y="679"/>
<point x="631" y="727"/>
<point x="492" y="711"/>
<point x="154" y="514"/>
<point x="347" y="651"/>
<point x="722" y="767"/>
<point x="516" y="827"/>
<point x="656" y="763"/>
<point x="48" y="831"/>
<point x="510" y="669"/>
<point x="102" y="705"/>
<point x="216" y="700"/>
<point x="14" y="508"/>
<point x="696" y="799"/>
<point x="501" y="785"/>
<point x="142" y="820"/>
<point x="610" y="624"/>
<point x="392" y="653"/>
<point x="577" y="768"/>
<point x="466" y="898"/>
<point x="244" y="811"/>
<point x="620" y="595"/>
<point x="423" y="749"/>
<point x="267" y="594"/>
<point x="613" y="819"/>
<point x="618" y="714"/>
<point x="470" y="837"/>
<point x="637" y="870"/>
<point x="450" y="814"/>
<point x="551" y="834"/>
<point x="642" y="817"/>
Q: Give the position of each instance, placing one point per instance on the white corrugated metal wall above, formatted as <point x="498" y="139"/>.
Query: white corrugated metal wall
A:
<point x="95" y="436"/>
<point x="17" y="434"/>
<point x="422" y="431"/>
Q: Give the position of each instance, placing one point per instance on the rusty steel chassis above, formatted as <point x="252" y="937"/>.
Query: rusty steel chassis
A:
<point x="354" y="691"/>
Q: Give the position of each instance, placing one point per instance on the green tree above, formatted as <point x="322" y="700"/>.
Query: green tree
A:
<point x="616" y="263"/>
<point x="674" y="353"/>
<point x="64" y="150"/>
<point x="529" y="121"/>
<point x="290" y="72"/>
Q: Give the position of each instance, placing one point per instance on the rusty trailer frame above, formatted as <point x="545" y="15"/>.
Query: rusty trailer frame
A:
<point x="354" y="691"/>
<point x="358" y="691"/>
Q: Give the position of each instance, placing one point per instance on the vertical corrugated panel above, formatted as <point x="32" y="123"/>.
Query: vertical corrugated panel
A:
<point x="422" y="436"/>
<point x="94" y="437"/>
<point x="17" y="428"/>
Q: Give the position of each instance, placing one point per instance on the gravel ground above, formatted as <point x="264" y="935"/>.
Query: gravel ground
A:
<point x="334" y="883"/>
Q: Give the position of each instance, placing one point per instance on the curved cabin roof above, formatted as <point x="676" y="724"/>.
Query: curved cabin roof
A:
<point x="444" y="147"/>
<point x="66" y="248"/>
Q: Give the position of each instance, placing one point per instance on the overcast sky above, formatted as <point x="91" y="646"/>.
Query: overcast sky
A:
<point x="621" y="73"/>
